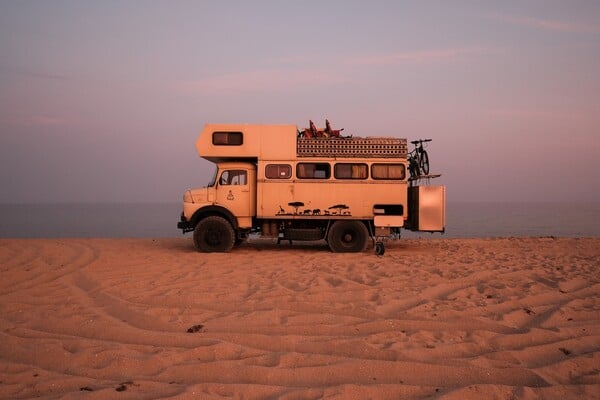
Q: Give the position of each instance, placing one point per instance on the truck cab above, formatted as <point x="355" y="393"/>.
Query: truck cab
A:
<point x="231" y="194"/>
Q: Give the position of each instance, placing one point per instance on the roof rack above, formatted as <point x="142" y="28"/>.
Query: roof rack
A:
<point x="352" y="147"/>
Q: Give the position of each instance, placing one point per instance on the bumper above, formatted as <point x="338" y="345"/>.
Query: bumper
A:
<point x="184" y="224"/>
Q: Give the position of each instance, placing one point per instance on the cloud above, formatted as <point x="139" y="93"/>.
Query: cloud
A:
<point x="29" y="73"/>
<point x="535" y="113"/>
<point x="421" y="56"/>
<point x="35" y="120"/>
<point x="284" y="79"/>
<point x="545" y="24"/>
<point x="267" y="80"/>
<point x="47" y="120"/>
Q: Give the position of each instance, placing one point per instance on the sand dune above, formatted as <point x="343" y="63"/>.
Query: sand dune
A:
<point x="442" y="318"/>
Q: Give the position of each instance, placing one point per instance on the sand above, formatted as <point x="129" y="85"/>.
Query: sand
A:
<point x="440" y="318"/>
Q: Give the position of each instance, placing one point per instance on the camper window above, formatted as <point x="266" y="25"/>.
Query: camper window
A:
<point x="313" y="171"/>
<point x="228" y="138"/>
<point x="388" y="171"/>
<point x="350" y="171"/>
<point x="278" y="171"/>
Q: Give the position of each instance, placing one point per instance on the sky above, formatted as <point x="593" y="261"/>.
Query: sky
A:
<point x="102" y="101"/>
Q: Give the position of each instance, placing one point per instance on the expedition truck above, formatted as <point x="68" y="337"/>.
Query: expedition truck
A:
<point x="277" y="182"/>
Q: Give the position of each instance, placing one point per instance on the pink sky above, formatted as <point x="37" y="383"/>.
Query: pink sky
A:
<point x="103" y="101"/>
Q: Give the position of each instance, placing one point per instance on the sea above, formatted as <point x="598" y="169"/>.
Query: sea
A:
<point x="158" y="220"/>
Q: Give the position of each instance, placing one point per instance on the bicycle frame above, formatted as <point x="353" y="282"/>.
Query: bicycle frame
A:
<point x="418" y="159"/>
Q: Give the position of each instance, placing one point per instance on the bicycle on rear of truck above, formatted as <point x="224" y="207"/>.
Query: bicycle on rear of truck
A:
<point x="418" y="159"/>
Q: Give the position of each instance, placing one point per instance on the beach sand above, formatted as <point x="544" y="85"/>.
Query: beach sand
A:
<point x="439" y="318"/>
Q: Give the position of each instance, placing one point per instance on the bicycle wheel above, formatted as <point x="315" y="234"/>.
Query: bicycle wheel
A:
<point x="424" y="163"/>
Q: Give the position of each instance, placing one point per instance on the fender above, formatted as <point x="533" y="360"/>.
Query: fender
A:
<point x="213" y="210"/>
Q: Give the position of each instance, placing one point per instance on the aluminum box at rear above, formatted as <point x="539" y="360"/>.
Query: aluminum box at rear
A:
<point x="427" y="208"/>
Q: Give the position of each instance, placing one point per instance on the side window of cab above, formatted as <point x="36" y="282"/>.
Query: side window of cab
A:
<point x="233" y="177"/>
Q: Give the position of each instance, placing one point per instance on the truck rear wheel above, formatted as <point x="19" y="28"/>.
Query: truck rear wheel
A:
<point x="214" y="234"/>
<point x="347" y="236"/>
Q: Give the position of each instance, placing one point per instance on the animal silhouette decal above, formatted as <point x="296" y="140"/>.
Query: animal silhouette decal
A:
<point x="336" y="209"/>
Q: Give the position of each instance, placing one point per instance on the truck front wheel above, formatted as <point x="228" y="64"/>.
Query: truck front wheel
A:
<point x="347" y="236"/>
<point x="214" y="234"/>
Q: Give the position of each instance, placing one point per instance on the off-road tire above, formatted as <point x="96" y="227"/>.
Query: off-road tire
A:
<point x="214" y="234"/>
<point x="347" y="237"/>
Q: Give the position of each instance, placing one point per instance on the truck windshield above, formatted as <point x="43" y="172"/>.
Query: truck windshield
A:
<point x="214" y="177"/>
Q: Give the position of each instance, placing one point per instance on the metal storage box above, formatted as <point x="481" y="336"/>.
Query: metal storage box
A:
<point x="427" y="208"/>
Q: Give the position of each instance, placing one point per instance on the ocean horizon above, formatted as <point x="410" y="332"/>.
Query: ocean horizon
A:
<point x="145" y="220"/>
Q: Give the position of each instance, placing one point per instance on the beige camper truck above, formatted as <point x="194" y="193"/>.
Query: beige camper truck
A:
<point x="272" y="182"/>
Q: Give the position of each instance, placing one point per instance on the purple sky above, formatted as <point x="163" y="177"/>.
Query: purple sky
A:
<point x="103" y="101"/>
